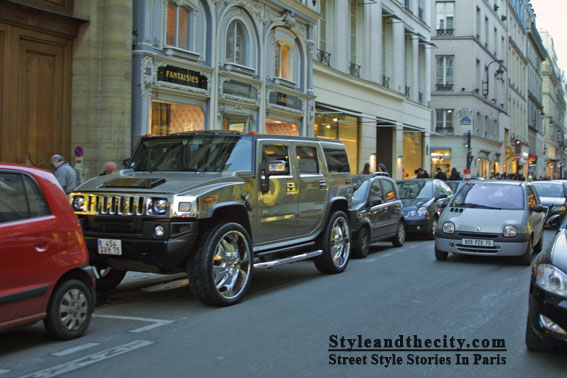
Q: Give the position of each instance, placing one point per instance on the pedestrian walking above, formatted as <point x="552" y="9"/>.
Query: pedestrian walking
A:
<point x="366" y="169"/>
<point x="65" y="174"/>
<point x="109" y="167"/>
<point x="440" y="175"/>
<point x="382" y="168"/>
<point x="455" y="175"/>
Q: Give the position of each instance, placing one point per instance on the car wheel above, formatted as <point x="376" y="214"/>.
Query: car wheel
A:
<point x="335" y="245"/>
<point x="400" y="237"/>
<point x="69" y="310"/>
<point x="526" y="258"/>
<point x="534" y="343"/>
<point x="221" y="268"/>
<point x="362" y="245"/>
<point x="539" y="245"/>
<point x="109" y="279"/>
<point x="431" y="234"/>
<point x="440" y="255"/>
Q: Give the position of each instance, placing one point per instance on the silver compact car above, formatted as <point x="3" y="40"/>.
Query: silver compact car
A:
<point x="492" y="218"/>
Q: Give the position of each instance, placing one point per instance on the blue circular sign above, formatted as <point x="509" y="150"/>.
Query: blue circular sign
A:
<point x="78" y="151"/>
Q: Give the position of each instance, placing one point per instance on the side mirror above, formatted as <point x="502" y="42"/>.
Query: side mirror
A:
<point x="272" y="167"/>
<point x="537" y="209"/>
<point x="377" y="201"/>
<point x="442" y="203"/>
<point x="554" y="221"/>
<point x="442" y="195"/>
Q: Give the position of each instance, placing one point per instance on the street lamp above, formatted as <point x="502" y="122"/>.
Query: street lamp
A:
<point x="499" y="74"/>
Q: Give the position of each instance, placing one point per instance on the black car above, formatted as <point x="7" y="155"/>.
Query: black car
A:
<point x="421" y="201"/>
<point x="547" y="314"/>
<point x="552" y="196"/>
<point x="377" y="213"/>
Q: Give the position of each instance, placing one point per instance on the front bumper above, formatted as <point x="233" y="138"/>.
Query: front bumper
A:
<point x="501" y="246"/>
<point x="418" y="225"/>
<point x="142" y="250"/>
<point x="554" y="308"/>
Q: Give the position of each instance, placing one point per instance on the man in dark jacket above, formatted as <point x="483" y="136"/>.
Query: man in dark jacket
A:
<point x="441" y="175"/>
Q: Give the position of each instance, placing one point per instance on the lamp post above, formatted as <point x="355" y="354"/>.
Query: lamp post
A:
<point x="499" y="75"/>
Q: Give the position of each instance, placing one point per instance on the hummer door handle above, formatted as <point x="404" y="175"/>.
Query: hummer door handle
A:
<point x="290" y="187"/>
<point x="322" y="184"/>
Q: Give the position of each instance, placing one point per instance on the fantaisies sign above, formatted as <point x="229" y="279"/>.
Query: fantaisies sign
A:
<point x="182" y="76"/>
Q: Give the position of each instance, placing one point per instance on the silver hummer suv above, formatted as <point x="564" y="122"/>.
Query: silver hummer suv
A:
<point x="218" y="205"/>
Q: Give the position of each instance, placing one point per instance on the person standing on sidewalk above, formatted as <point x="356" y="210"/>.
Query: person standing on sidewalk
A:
<point x="65" y="174"/>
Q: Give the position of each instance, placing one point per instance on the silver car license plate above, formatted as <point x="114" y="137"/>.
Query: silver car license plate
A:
<point x="110" y="247"/>
<point x="478" y="242"/>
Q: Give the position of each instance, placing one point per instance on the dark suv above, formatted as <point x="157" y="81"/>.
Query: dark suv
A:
<point x="217" y="205"/>
<point x="377" y="212"/>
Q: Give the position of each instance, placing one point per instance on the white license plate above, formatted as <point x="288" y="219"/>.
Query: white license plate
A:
<point x="478" y="242"/>
<point x="110" y="247"/>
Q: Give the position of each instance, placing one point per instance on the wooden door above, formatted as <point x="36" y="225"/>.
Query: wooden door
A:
<point x="35" y="96"/>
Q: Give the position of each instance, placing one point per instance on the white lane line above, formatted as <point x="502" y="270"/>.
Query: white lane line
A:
<point x="75" y="349"/>
<point x="4" y="371"/>
<point x="89" y="360"/>
<point x="157" y="322"/>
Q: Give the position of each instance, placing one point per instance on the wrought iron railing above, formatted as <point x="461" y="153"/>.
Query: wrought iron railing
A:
<point x="445" y="32"/>
<point x="444" y="87"/>
<point x="385" y="81"/>
<point x="324" y="57"/>
<point x="354" y="69"/>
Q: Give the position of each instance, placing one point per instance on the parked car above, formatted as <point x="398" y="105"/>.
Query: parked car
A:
<point x="553" y="196"/>
<point x="421" y="199"/>
<point x="218" y="205"/>
<point x="492" y="218"/>
<point x="377" y="213"/>
<point x="44" y="273"/>
<point x="455" y="185"/>
<point x="547" y="314"/>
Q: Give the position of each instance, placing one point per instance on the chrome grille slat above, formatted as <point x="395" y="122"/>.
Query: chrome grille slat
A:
<point x="116" y="204"/>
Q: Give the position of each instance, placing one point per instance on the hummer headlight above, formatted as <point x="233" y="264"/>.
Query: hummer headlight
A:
<point x="185" y="206"/>
<point x="78" y="203"/>
<point x="160" y="206"/>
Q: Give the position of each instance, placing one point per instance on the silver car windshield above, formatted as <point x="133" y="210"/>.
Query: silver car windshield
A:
<point x="497" y="196"/>
<point x="549" y="190"/>
<point x="195" y="153"/>
<point x="415" y="189"/>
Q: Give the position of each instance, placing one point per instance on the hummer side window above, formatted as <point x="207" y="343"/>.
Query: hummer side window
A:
<point x="307" y="158"/>
<point x="272" y="152"/>
<point x="337" y="160"/>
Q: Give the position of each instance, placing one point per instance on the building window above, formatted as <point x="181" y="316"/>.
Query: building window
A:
<point x="178" y="26"/>
<point x="387" y="38"/>
<point x="277" y="127"/>
<point x="168" y="118"/>
<point x="236" y="43"/>
<point x="353" y="31"/>
<point x="323" y="25"/>
<point x="444" y="73"/>
<point x="283" y="59"/>
<point x="444" y="121"/>
<point x="333" y="125"/>
<point x="445" y="15"/>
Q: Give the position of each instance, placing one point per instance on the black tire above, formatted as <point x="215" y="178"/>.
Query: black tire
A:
<point x="440" y="255"/>
<point x="526" y="258"/>
<point x="539" y="246"/>
<point x="400" y="237"/>
<point x="335" y="244"/>
<point x="362" y="244"/>
<point x="220" y="270"/>
<point x="534" y="343"/>
<point x="431" y="234"/>
<point x="109" y="279"/>
<point x="69" y="310"/>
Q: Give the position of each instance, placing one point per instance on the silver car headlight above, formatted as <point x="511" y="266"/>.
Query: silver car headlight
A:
<point x="78" y="203"/>
<point x="510" y="231"/>
<point x="449" y="227"/>
<point x="551" y="279"/>
<point x="422" y="211"/>
<point x="158" y="206"/>
<point x="185" y="206"/>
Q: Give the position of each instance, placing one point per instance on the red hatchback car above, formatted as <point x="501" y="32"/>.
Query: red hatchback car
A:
<point x="44" y="271"/>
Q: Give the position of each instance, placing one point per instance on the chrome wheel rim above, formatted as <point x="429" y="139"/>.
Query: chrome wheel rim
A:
<point x="104" y="272"/>
<point x="231" y="264"/>
<point x="340" y="242"/>
<point x="73" y="309"/>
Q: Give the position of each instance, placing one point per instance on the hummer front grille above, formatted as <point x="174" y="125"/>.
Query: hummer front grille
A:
<point x="112" y="204"/>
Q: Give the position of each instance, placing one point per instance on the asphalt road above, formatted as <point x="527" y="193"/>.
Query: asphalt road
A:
<point x="297" y="322"/>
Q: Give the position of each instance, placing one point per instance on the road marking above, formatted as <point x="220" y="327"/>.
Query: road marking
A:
<point x="157" y="322"/>
<point x="75" y="349"/>
<point x="89" y="360"/>
<point x="4" y="371"/>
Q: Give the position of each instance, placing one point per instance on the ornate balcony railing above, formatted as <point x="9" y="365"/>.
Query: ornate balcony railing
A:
<point x="354" y="69"/>
<point x="445" y="130"/>
<point x="420" y="13"/>
<point x="421" y="97"/>
<point x="324" y="57"/>
<point x="445" y="32"/>
<point x="444" y="87"/>
<point x="385" y="81"/>
<point x="408" y="91"/>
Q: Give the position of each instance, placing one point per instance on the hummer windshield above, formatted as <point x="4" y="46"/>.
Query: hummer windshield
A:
<point x="193" y="153"/>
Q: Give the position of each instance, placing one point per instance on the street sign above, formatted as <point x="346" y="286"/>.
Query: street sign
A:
<point x="517" y="156"/>
<point x="79" y="151"/>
